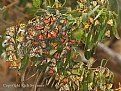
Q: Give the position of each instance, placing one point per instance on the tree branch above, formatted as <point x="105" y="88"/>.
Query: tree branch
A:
<point x="110" y="52"/>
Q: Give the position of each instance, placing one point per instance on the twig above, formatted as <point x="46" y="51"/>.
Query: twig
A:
<point x="110" y="52"/>
<point x="37" y="80"/>
<point x="10" y="5"/>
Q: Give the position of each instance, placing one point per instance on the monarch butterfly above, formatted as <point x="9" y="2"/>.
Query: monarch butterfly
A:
<point x="12" y="57"/>
<point x="51" y="71"/>
<point x="46" y="21"/>
<point x="43" y="44"/>
<point x="52" y="22"/>
<point x="65" y="21"/>
<point x="54" y="34"/>
<point x="81" y="6"/>
<point x="45" y="34"/>
<point x="57" y="55"/>
<point x="10" y="48"/>
<point x="54" y="44"/>
<point x="97" y="22"/>
<point x="22" y="26"/>
<point x="40" y="37"/>
<point x="11" y="41"/>
<point x="11" y="29"/>
<point x="49" y="20"/>
<point x="59" y="27"/>
<point x="30" y="31"/>
<point x="47" y="16"/>
<point x="63" y="40"/>
<point x="63" y="33"/>
<point x="36" y="43"/>
<point x="110" y="22"/>
<point x="49" y="35"/>
<point x="50" y="17"/>
<point x="56" y="31"/>
<point x="14" y="65"/>
<point x="39" y="27"/>
<point x="46" y="52"/>
<point x="32" y="22"/>
<point x="10" y="33"/>
<point x="94" y="3"/>
<point x="63" y="53"/>
<point x="72" y="41"/>
<point x="38" y="51"/>
<point x="91" y="20"/>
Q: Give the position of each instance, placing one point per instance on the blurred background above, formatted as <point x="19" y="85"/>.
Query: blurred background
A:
<point x="13" y="12"/>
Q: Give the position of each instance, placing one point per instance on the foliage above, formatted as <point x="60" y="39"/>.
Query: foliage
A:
<point x="51" y="40"/>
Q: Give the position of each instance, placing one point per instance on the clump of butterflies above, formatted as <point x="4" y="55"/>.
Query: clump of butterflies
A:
<point x="43" y="37"/>
<point x="48" y="41"/>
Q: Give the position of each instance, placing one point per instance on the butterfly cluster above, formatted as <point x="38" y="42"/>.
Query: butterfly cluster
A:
<point x="80" y="76"/>
<point x="46" y="38"/>
<point x="51" y="42"/>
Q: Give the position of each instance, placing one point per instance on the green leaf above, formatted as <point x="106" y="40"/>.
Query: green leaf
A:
<point x="75" y="72"/>
<point x="95" y="38"/>
<point x="88" y="46"/>
<point x="91" y="76"/>
<point x="84" y="17"/>
<point x="30" y="10"/>
<point x="100" y="12"/>
<point x="94" y="10"/>
<point x="24" y="63"/>
<point x="51" y="10"/>
<point x="87" y="54"/>
<point x="78" y="34"/>
<point x="88" y="38"/>
<point x="114" y="28"/>
<point x="52" y="52"/>
<point x="75" y="13"/>
<point x="102" y="33"/>
<point x="52" y="2"/>
<point x="70" y="17"/>
<point x="56" y="1"/>
<point x="36" y="3"/>
<point x="23" y="2"/>
<point x="62" y="10"/>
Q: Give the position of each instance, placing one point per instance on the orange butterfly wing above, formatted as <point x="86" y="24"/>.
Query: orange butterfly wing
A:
<point x="40" y="37"/>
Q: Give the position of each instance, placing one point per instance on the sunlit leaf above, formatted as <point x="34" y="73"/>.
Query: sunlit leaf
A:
<point x="98" y="15"/>
<point x="114" y="28"/>
<point x="75" y="72"/>
<point x="92" y="12"/>
<point x="36" y="3"/>
<point x="78" y="34"/>
<point x="52" y="52"/>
